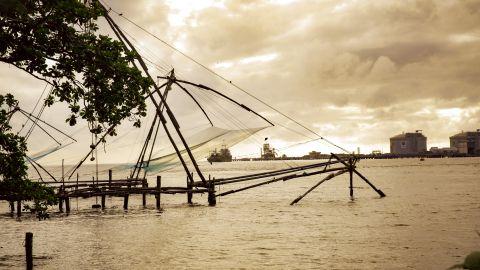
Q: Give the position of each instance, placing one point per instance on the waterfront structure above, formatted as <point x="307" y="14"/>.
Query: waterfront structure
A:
<point x="443" y="150"/>
<point x="223" y="155"/>
<point x="267" y="152"/>
<point x="409" y="143"/>
<point x="466" y="142"/>
<point x="314" y="155"/>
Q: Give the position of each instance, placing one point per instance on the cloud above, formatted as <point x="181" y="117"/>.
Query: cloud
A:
<point x="398" y="63"/>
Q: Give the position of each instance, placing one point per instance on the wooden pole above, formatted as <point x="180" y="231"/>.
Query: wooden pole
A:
<point x="212" y="201"/>
<point x="121" y="36"/>
<point x="330" y="176"/>
<point x="28" y="250"/>
<point x="60" y="199"/>
<point x="110" y="176"/>
<point x="60" y="204"/>
<point x="370" y="184"/>
<point x="103" y="201"/>
<point x="125" y="201"/>
<point x="19" y="208"/>
<point x="144" y="195"/>
<point x="67" y="205"/>
<point x="12" y="208"/>
<point x="159" y="187"/>
<point x="350" y="170"/>
<point x="63" y="172"/>
<point x="189" y="189"/>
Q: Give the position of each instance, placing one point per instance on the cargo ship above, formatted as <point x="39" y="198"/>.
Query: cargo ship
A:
<point x="223" y="155"/>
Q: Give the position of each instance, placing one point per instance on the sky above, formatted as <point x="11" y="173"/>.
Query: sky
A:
<point x="355" y="72"/>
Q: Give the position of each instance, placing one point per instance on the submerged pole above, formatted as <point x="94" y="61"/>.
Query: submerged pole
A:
<point x="67" y="205"/>
<point x="144" y="194"/>
<point x="212" y="201"/>
<point x="125" y="201"/>
<point x="350" y="170"/>
<point x="103" y="201"/>
<point x="189" y="189"/>
<point x="330" y="176"/>
<point x="370" y="184"/>
<point x="28" y="250"/>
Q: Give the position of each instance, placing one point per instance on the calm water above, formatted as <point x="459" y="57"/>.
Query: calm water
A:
<point x="427" y="221"/>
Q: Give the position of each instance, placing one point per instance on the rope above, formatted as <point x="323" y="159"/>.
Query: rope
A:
<point x="34" y="108"/>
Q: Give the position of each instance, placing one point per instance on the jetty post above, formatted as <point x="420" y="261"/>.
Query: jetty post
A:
<point x="110" y="177"/>
<point x="189" y="189"/>
<point x="212" y="200"/>
<point x="12" y="207"/>
<point x="350" y="170"/>
<point x="103" y="200"/>
<point x="125" y="198"/>
<point x="159" y="188"/>
<point x="60" y="199"/>
<point x="67" y="205"/>
<point x="19" y="208"/>
<point x="144" y="193"/>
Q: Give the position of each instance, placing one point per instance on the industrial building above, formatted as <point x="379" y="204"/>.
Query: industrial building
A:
<point x="267" y="152"/>
<point x="466" y="142"/>
<point x="409" y="143"/>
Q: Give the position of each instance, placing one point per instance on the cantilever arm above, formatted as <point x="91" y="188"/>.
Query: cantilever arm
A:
<point x="224" y="96"/>
<point x="198" y="104"/>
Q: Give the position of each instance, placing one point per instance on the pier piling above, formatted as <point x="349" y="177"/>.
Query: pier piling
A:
<point x="67" y="205"/>
<point x="12" y="208"/>
<point x="103" y="201"/>
<point x="19" y="208"/>
<point x="110" y="176"/>
<point x="144" y="195"/>
<point x="189" y="189"/>
<point x="60" y="204"/>
<point x="125" y="201"/>
<point x="159" y="187"/>
<point x="212" y="201"/>
<point x="350" y="170"/>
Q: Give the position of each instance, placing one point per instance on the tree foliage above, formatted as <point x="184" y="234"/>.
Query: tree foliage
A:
<point x="14" y="184"/>
<point x="57" y="41"/>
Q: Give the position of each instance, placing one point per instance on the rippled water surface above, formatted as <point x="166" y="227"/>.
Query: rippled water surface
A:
<point x="427" y="221"/>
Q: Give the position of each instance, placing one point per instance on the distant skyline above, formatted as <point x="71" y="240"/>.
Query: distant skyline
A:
<point x="356" y="72"/>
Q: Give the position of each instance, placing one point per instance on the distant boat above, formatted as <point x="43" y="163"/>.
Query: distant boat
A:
<point x="223" y="155"/>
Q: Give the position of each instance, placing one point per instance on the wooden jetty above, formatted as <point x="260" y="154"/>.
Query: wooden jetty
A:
<point x="125" y="188"/>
